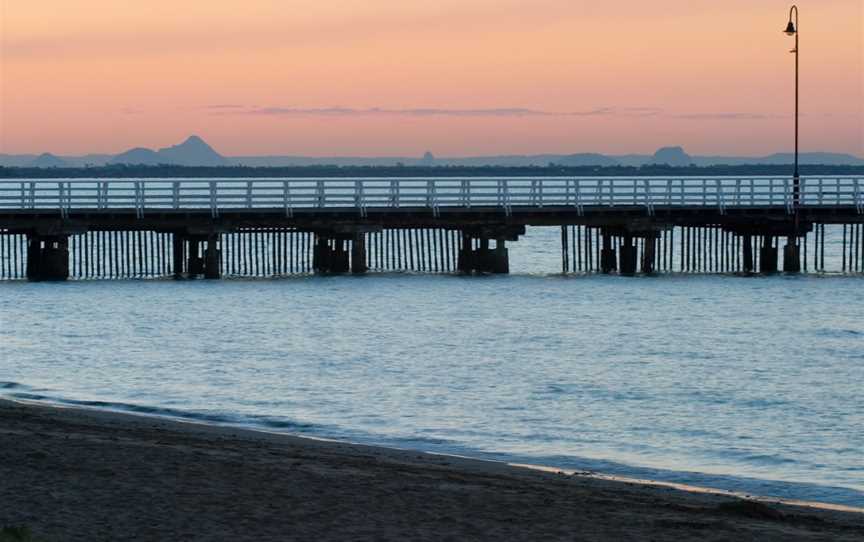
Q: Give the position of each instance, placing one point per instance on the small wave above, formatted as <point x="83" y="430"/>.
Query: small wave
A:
<point x="12" y="386"/>
<point x="839" y="333"/>
<point x="28" y="396"/>
<point x="253" y="421"/>
<point x="768" y="459"/>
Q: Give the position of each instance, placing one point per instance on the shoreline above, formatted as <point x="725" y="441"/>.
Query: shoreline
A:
<point x="105" y="468"/>
<point x="182" y="417"/>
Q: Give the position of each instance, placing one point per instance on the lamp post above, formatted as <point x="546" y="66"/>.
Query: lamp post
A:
<point x="791" y="254"/>
<point x="792" y="30"/>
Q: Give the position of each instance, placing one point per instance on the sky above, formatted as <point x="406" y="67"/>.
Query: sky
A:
<point x="455" y="77"/>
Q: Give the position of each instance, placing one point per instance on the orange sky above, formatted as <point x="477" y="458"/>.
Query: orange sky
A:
<point x="457" y="77"/>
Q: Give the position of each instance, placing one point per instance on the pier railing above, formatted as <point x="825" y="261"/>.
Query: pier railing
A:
<point x="433" y="194"/>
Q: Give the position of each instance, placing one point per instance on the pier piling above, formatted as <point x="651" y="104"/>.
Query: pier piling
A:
<point x="47" y="257"/>
<point x="608" y="261"/>
<point x="212" y="258"/>
<point x="628" y="256"/>
<point x="791" y="256"/>
<point x="768" y="255"/>
<point x="358" y="254"/>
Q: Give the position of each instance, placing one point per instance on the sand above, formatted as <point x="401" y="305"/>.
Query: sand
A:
<point x="74" y="474"/>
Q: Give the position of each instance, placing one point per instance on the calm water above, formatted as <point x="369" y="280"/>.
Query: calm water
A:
<point x="750" y="384"/>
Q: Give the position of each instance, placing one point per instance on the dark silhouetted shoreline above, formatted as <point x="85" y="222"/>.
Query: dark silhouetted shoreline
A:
<point x="68" y="474"/>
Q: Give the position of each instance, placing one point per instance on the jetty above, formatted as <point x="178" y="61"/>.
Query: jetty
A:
<point x="56" y="229"/>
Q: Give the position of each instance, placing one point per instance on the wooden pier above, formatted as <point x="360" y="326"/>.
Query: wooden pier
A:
<point x="54" y="229"/>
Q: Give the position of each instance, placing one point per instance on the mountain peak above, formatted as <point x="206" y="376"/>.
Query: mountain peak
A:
<point x="46" y="159"/>
<point x="194" y="140"/>
<point x="673" y="156"/>
<point x="194" y="151"/>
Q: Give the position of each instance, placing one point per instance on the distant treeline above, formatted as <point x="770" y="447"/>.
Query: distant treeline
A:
<point x="139" y="172"/>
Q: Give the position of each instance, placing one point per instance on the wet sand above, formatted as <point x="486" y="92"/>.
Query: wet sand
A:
<point x="74" y="474"/>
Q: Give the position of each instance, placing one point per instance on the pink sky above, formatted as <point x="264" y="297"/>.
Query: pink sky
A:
<point x="457" y="77"/>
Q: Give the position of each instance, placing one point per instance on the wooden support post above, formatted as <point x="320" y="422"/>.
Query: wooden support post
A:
<point x="55" y="258"/>
<point x="34" y="256"/>
<point x="791" y="256"/>
<point x="608" y="261"/>
<point x="177" y="243"/>
<point x="628" y="256"/>
<point x="358" y="254"/>
<point x="339" y="262"/>
<point x="212" y="258"/>
<point x="748" y="253"/>
<point x="649" y="254"/>
<point x="321" y="254"/>
<point x="565" y="260"/>
<point x="483" y="261"/>
<point x="501" y="257"/>
<point x="768" y="255"/>
<point x="466" y="254"/>
<point x="195" y="264"/>
<point x="47" y="257"/>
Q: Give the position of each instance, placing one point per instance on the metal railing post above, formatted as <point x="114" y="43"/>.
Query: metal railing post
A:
<point x="175" y="194"/>
<point x="649" y="202"/>
<point x="540" y="187"/>
<point x="61" y="200"/>
<point x="394" y="193"/>
<point x="214" y="200"/>
<point x="321" y="197"/>
<point x="578" y="188"/>
<point x="286" y="199"/>
<point x="721" y="204"/>
<point x="359" y="200"/>
<point x="432" y="197"/>
<point x="139" y="199"/>
<point x="771" y="192"/>
<point x="859" y="199"/>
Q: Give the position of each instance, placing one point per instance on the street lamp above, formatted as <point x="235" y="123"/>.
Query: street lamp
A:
<point x="792" y="30"/>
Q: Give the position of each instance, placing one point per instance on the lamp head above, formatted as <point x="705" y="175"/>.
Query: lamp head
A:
<point x="790" y="29"/>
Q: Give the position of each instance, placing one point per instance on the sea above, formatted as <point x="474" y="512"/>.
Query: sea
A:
<point x="748" y="384"/>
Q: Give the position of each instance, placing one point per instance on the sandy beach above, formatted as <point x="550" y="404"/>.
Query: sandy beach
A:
<point x="72" y="474"/>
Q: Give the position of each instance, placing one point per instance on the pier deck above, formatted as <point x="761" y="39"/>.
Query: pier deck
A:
<point x="56" y="228"/>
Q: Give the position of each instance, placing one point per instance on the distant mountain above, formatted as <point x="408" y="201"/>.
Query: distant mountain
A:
<point x="138" y="156"/>
<point x="672" y="156"/>
<point x="192" y="152"/>
<point x="16" y="160"/>
<point x="821" y="158"/>
<point x="48" y="160"/>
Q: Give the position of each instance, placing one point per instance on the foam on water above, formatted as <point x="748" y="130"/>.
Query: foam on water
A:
<point x="748" y="384"/>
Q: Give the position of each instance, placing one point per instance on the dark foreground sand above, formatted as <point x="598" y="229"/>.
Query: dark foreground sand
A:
<point x="71" y="474"/>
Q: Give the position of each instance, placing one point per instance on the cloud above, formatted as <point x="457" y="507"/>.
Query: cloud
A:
<point x="224" y="106"/>
<point x="729" y="116"/>
<point x="431" y="112"/>
<point x="618" y="112"/>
